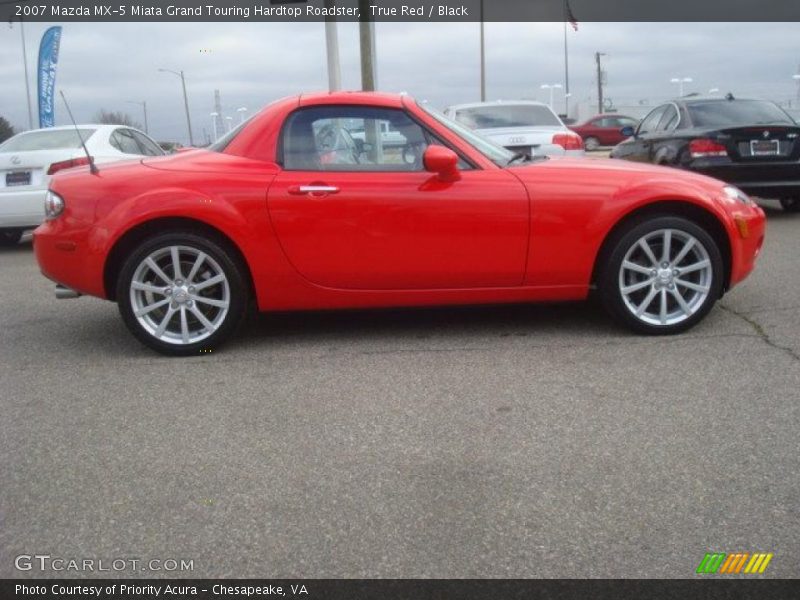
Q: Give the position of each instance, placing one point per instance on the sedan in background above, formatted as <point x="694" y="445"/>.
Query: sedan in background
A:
<point x="603" y="130"/>
<point x="753" y="144"/>
<point x="524" y="127"/>
<point x="29" y="159"/>
<point x="280" y="215"/>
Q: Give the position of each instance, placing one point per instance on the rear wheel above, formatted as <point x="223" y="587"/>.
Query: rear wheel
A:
<point x="182" y="294"/>
<point x="662" y="275"/>
<point x="791" y="204"/>
<point x="10" y="237"/>
<point x="591" y="143"/>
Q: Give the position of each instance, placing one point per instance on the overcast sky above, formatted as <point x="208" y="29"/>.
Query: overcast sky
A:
<point x="103" y="65"/>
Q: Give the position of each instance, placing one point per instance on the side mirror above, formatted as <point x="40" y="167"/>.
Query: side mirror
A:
<point x="442" y="161"/>
<point x="628" y="131"/>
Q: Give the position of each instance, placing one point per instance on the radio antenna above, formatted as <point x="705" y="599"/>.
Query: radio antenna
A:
<point x="92" y="167"/>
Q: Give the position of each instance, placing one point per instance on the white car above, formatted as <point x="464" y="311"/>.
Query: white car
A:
<point x="28" y="160"/>
<point x="521" y="126"/>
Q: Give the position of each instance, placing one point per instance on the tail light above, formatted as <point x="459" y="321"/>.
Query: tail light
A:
<point x="568" y="141"/>
<point x="68" y="164"/>
<point x="703" y="147"/>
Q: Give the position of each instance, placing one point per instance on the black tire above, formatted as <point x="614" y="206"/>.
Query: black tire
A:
<point x="591" y="143"/>
<point x="611" y="278"/>
<point x="221" y="257"/>
<point x="791" y="205"/>
<point x="10" y="237"/>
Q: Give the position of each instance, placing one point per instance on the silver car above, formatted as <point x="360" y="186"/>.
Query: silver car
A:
<point x="28" y="160"/>
<point x="521" y="126"/>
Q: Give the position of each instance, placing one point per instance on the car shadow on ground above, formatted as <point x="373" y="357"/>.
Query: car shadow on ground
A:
<point x="516" y="320"/>
<point x="24" y="246"/>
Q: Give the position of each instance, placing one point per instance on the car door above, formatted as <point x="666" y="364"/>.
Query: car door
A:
<point x="638" y="148"/>
<point x="661" y="151"/>
<point x="353" y="214"/>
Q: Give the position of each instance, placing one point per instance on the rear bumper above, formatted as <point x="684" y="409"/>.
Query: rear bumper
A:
<point x="67" y="256"/>
<point x="776" y="180"/>
<point x="21" y="208"/>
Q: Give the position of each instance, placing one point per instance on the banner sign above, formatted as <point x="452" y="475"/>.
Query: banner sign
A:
<point x="48" y="61"/>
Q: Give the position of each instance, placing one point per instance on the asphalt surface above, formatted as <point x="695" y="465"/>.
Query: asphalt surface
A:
<point x="476" y="442"/>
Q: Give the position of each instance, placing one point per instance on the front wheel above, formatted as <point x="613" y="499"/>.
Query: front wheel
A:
<point x="791" y="204"/>
<point x="662" y="275"/>
<point x="591" y="143"/>
<point x="182" y="294"/>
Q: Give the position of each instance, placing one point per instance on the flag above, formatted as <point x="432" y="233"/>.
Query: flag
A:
<point x="48" y="60"/>
<point x="569" y="17"/>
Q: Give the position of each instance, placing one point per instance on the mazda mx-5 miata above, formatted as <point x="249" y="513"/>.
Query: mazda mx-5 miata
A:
<point x="291" y="211"/>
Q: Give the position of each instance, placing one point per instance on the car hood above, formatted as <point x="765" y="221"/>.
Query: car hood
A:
<point x="613" y="175"/>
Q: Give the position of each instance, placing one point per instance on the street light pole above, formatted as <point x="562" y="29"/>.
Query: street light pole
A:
<point x="551" y="87"/>
<point x="214" y="116"/>
<point x="483" y="58"/>
<point x="680" y="81"/>
<point x="185" y="101"/>
<point x="332" y="48"/>
<point x="143" y="104"/>
<point x="25" y="68"/>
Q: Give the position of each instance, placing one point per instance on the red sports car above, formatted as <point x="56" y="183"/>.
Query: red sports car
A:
<point x="603" y="130"/>
<point x="311" y="204"/>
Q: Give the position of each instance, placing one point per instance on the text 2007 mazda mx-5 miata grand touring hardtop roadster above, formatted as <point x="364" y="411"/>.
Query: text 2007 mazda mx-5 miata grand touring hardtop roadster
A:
<point x="311" y="204"/>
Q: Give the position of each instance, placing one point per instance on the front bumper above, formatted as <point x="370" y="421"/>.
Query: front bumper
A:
<point x="749" y="223"/>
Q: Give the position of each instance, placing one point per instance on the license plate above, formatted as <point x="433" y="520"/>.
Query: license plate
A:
<point x="764" y="147"/>
<point x="18" y="178"/>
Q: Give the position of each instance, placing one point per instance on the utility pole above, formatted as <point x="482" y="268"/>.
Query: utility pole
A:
<point x="483" y="58"/>
<point x="369" y="76"/>
<point x="597" y="56"/>
<point x="332" y="48"/>
<point x="369" y="80"/>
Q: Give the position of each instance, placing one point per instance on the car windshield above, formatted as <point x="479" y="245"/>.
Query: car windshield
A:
<point x="507" y="115"/>
<point x="497" y="154"/>
<point x="46" y="140"/>
<point x="729" y="113"/>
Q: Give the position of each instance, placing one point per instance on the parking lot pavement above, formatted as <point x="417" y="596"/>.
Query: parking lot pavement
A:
<point x="475" y="442"/>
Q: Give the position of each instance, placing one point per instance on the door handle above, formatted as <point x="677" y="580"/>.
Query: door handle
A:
<point x="313" y="190"/>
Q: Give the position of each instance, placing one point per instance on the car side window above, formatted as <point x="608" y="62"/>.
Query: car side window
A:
<point x="148" y="147"/>
<point x="669" y="119"/>
<point x="650" y="122"/>
<point x="122" y="140"/>
<point x="353" y="138"/>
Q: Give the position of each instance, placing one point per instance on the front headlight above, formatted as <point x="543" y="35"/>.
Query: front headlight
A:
<point x="53" y="205"/>
<point x="735" y="193"/>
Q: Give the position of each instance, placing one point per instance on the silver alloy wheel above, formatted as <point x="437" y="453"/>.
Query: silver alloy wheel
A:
<point x="180" y="295"/>
<point x="665" y="277"/>
<point x="591" y="143"/>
